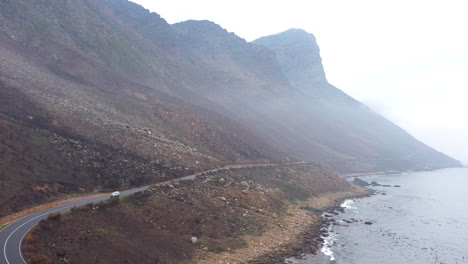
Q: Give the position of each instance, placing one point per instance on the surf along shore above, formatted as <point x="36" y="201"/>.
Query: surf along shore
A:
<point x="298" y="233"/>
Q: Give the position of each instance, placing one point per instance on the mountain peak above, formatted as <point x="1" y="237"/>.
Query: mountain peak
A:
<point x="296" y="32"/>
<point x="206" y="35"/>
<point x="202" y="28"/>
<point x="200" y="24"/>
<point x="298" y="54"/>
<point x="292" y="35"/>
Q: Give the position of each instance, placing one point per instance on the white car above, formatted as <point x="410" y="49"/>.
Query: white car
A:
<point x="115" y="194"/>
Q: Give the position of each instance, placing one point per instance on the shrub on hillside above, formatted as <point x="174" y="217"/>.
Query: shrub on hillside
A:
<point x="54" y="216"/>
<point x="29" y="238"/>
<point x="107" y="204"/>
<point x="40" y="259"/>
<point x="29" y="249"/>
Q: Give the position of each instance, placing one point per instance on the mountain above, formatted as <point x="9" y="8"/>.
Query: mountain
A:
<point x="104" y="95"/>
<point x="362" y="137"/>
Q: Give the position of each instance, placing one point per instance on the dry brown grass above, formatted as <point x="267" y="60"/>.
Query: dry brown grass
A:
<point x="29" y="238"/>
<point x="32" y="210"/>
<point x="26" y="212"/>
<point x="39" y="259"/>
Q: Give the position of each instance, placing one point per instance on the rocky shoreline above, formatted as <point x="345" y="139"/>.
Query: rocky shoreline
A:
<point x="302" y="236"/>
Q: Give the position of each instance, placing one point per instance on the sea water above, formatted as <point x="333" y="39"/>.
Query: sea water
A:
<point x="424" y="221"/>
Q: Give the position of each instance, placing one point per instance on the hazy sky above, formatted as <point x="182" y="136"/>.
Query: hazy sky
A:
<point x="406" y="59"/>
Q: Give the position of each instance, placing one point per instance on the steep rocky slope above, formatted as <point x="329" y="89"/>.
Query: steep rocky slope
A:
<point x="104" y="94"/>
<point x="67" y="75"/>
<point x="362" y="139"/>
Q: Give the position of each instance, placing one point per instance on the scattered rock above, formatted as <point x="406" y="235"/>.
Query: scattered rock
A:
<point x="245" y="184"/>
<point x="61" y="253"/>
<point x="194" y="240"/>
<point x="340" y="224"/>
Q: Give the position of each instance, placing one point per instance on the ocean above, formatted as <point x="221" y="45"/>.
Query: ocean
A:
<point x="425" y="221"/>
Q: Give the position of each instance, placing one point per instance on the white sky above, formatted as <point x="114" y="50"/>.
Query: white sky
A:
<point x="406" y="59"/>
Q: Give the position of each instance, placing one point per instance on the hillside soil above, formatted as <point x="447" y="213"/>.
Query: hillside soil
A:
<point x="241" y="215"/>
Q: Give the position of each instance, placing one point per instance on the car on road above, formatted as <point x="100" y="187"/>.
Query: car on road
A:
<point x="115" y="194"/>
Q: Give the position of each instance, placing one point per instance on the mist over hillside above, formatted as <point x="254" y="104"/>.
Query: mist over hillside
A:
<point x="100" y="95"/>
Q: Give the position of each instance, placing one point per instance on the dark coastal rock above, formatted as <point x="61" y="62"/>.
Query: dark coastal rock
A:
<point x="374" y="183"/>
<point x="368" y="223"/>
<point x="311" y="209"/>
<point x="360" y="182"/>
<point x="340" y="224"/>
<point x="340" y="209"/>
<point x="363" y="183"/>
<point x="396" y="186"/>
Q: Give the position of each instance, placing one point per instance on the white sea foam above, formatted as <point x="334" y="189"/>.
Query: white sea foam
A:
<point x="327" y="245"/>
<point x="348" y="204"/>
<point x="330" y="240"/>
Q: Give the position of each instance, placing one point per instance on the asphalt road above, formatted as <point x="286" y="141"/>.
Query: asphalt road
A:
<point x="11" y="236"/>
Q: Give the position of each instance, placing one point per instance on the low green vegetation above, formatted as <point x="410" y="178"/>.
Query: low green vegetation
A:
<point x="204" y="239"/>
<point x="130" y="199"/>
<point x="101" y="229"/>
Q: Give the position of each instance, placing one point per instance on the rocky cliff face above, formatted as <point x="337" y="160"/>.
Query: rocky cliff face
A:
<point x="114" y="96"/>
<point x="298" y="55"/>
<point x="371" y="139"/>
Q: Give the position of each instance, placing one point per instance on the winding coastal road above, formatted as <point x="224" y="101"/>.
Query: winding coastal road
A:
<point x="11" y="236"/>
